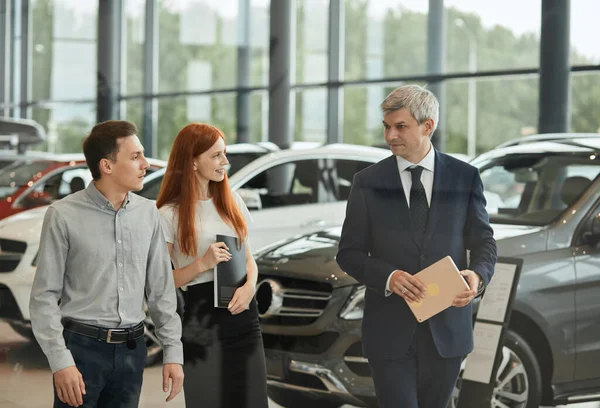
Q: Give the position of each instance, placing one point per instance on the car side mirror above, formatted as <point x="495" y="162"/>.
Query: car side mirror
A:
<point x="251" y="198"/>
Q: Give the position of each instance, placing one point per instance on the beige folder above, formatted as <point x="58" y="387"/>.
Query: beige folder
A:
<point x="443" y="281"/>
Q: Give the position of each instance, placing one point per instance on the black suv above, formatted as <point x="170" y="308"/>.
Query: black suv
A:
<point x="543" y="196"/>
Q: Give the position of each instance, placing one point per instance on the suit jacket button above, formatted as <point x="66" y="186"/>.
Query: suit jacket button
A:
<point x="422" y="257"/>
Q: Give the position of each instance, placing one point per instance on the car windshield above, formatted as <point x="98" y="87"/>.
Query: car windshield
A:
<point x="20" y="173"/>
<point x="534" y="189"/>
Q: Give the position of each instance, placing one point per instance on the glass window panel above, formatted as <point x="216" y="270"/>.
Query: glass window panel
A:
<point x="63" y="46"/>
<point x="385" y="38"/>
<point x="259" y="41"/>
<point x="133" y="44"/>
<point x="311" y="115"/>
<point x="134" y="112"/>
<point x="176" y="113"/>
<point x="362" y="114"/>
<point x="585" y="32"/>
<point x="585" y="102"/>
<point x="259" y="116"/>
<point x="66" y="125"/>
<point x="502" y="109"/>
<point x="311" y="41"/>
<point x="483" y="36"/>
<point x="195" y="33"/>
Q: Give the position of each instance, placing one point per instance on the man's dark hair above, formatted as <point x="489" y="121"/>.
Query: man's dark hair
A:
<point x="102" y="143"/>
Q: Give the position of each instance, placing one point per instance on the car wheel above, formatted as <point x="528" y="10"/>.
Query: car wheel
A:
<point x="518" y="380"/>
<point x="296" y="399"/>
<point x="23" y="331"/>
<point x="154" y="353"/>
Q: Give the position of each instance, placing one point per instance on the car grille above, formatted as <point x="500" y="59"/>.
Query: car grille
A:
<point x="355" y="361"/>
<point x="291" y="302"/>
<point x="300" y="344"/>
<point x="11" y="253"/>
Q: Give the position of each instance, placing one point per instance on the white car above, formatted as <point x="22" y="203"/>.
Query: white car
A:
<point x="288" y="192"/>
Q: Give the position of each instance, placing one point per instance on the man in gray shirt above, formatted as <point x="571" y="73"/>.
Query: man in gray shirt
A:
<point x="102" y="257"/>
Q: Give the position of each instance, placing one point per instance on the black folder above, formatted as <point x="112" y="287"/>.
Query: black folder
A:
<point x="230" y="275"/>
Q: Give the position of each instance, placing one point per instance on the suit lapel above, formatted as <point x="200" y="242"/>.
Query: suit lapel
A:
<point x="440" y="179"/>
<point x="390" y="180"/>
<point x="392" y="184"/>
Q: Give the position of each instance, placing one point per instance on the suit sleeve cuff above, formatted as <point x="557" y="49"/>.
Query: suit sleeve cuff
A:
<point x="173" y="355"/>
<point x="60" y="360"/>
<point x="388" y="292"/>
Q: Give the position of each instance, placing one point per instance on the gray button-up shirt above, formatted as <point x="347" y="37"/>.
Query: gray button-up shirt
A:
<point x="97" y="266"/>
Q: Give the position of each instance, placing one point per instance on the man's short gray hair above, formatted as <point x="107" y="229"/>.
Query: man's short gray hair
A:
<point x="420" y="102"/>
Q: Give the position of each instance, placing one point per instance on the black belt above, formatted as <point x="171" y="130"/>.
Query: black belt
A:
<point x="119" y="335"/>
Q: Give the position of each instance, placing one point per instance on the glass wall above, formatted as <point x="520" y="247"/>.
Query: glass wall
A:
<point x="63" y="45"/>
<point x="209" y="50"/>
<point x="66" y="124"/>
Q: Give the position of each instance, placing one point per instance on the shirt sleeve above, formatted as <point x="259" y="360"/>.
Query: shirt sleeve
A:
<point x="243" y="208"/>
<point x="47" y="291"/>
<point x="161" y="298"/>
<point x="167" y="220"/>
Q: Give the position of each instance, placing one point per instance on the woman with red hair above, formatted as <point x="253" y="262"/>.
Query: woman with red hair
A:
<point x="224" y="362"/>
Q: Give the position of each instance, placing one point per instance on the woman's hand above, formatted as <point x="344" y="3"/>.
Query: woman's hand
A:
<point x="216" y="253"/>
<point x="241" y="298"/>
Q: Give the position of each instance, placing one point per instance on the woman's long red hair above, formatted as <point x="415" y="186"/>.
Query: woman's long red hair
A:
<point x="180" y="186"/>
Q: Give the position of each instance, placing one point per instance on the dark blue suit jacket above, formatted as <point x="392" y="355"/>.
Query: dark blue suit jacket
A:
<point x="377" y="239"/>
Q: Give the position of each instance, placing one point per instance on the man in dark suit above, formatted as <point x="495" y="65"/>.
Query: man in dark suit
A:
<point x="405" y="213"/>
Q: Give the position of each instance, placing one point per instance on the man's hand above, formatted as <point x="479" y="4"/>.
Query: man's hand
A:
<point x="70" y="387"/>
<point x="414" y="288"/>
<point x="241" y="298"/>
<point x="173" y="372"/>
<point x="468" y="295"/>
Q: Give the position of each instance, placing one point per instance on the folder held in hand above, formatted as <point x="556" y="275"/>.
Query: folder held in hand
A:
<point x="443" y="282"/>
<point x="229" y="275"/>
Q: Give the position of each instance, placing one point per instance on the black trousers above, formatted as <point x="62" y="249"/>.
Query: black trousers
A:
<point x="112" y="373"/>
<point x="421" y="379"/>
<point x="224" y="360"/>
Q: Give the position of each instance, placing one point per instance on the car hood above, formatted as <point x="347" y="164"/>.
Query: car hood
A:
<point x="312" y="256"/>
<point x="24" y="226"/>
<point x="309" y="257"/>
<point x="504" y="231"/>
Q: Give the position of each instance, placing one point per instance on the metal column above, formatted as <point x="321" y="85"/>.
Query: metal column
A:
<point x="4" y="9"/>
<point x="25" y="57"/>
<point x="149" y="125"/>
<point x="554" y="102"/>
<point x="109" y="29"/>
<point x="436" y="55"/>
<point x="243" y="72"/>
<point x="335" y="102"/>
<point x="13" y="60"/>
<point x="280" y="72"/>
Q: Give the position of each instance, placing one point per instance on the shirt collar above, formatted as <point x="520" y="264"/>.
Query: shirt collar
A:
<point x="427" y="163"/>
<point x="102" y="201"/>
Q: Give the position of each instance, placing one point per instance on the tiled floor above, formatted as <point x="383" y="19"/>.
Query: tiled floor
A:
<point x="26" y="380"/>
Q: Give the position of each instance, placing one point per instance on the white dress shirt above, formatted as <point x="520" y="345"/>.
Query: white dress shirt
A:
<point x="428" y="164"/>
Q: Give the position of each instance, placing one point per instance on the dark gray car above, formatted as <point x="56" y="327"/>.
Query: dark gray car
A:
<point x="543" y="197"/>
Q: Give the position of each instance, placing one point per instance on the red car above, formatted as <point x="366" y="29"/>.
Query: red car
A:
<point x="36" y="181"/>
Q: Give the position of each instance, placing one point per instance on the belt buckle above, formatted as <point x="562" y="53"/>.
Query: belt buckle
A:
<point x="110" y="333"/>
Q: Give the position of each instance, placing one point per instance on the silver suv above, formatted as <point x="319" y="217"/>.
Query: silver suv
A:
<point x="544" y="203"/>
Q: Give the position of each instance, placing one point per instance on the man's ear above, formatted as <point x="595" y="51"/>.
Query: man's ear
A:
<point x="428" y="125"/>
<point x="106" y="166"/>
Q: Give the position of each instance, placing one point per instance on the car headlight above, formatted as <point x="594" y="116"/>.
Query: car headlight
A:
<point x="355" y="306"/>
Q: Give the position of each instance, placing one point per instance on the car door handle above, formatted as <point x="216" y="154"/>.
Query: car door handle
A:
<point x="313" y="223"/>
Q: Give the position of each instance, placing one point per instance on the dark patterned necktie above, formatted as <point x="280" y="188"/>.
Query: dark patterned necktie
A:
<point x="419" y="209"/>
